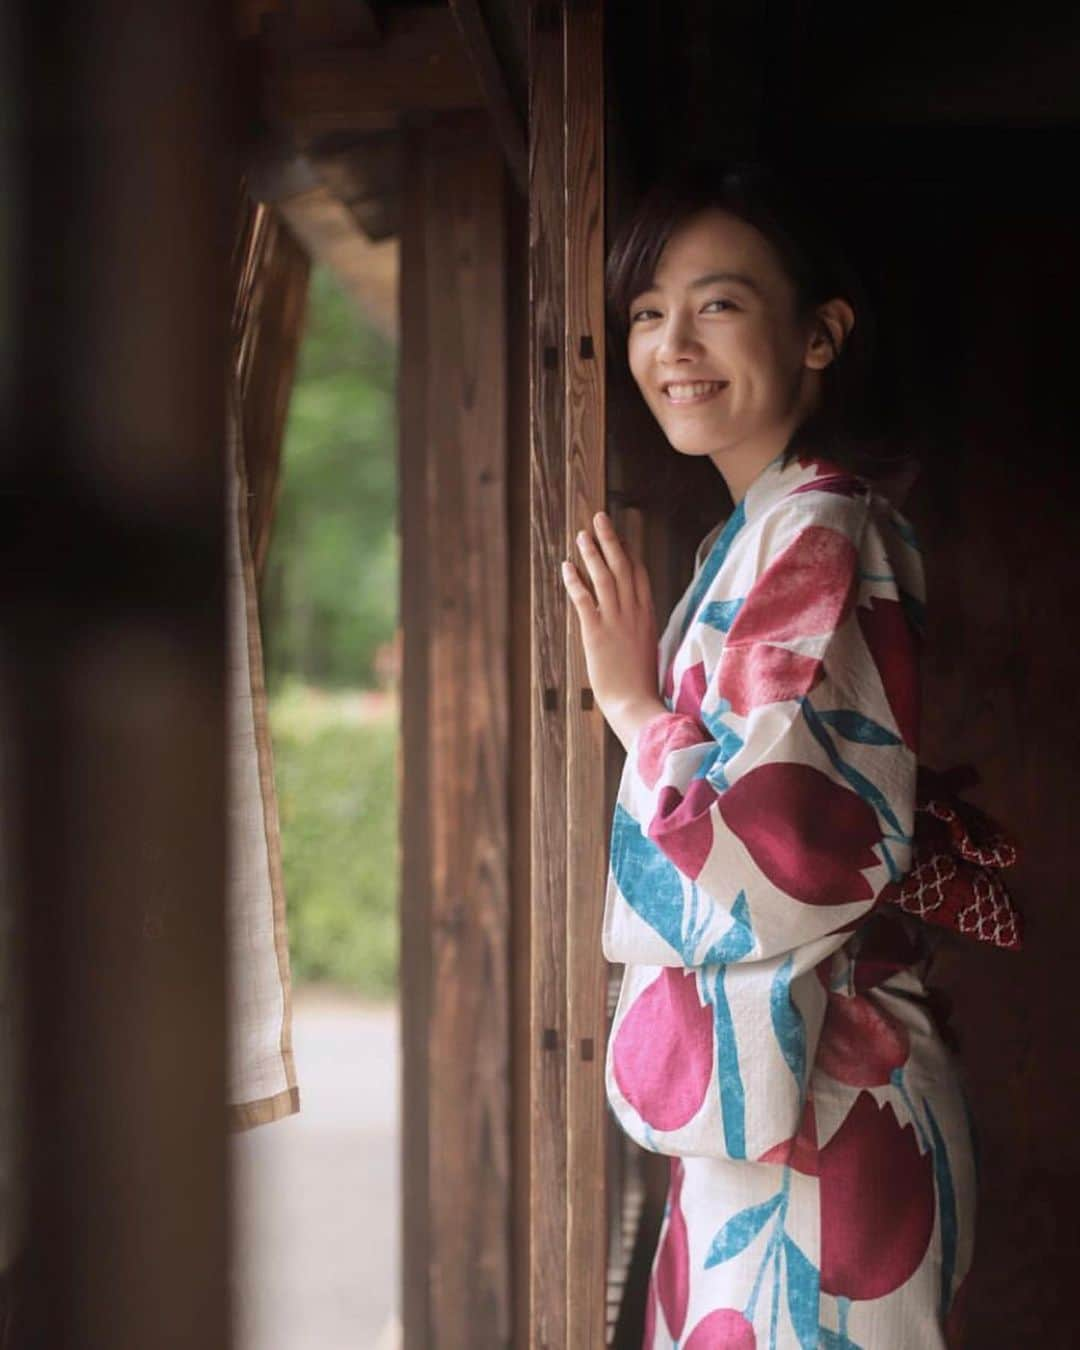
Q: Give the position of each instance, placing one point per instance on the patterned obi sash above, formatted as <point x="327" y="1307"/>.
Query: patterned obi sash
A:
<point x="959" y="853"/>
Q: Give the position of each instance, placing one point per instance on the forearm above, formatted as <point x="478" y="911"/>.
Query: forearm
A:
<point x="627" y="719"/>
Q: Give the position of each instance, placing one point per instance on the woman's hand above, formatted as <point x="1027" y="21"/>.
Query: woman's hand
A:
<point x="618" y="629"/>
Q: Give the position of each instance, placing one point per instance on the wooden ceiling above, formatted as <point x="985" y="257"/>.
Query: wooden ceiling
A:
<point x="334" y="83"/>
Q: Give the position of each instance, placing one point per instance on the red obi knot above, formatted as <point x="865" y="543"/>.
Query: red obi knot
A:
<point x="959" y="851"/>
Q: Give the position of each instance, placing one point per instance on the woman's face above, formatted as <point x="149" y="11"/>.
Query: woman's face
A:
<point x="717" y="348"/>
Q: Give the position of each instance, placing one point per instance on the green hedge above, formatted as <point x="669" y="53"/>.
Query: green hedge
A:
<point x="336" y="773"/>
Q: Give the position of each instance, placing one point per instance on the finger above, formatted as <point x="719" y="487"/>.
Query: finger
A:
<point x="578" y="592"/>
<point x="643" y="585"/>
<point x="607" y="595"/>
<point x="616" y="556"/>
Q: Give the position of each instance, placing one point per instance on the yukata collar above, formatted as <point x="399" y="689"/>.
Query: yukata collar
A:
<point x="777" y="480"/>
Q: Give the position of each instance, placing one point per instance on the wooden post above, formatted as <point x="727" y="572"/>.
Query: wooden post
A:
<point x="586" y="832"/>
<point x="455" y="793"/>
<point x="547" y="967"/>
<point x="568" y="1229"/>
<point x="112" y="661"/>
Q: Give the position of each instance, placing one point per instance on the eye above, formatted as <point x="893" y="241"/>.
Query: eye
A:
<point x="637" y="313"/>
<point x="729" y="303"/>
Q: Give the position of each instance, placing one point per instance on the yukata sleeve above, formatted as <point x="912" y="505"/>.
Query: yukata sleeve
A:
<point x="772" y="816"/>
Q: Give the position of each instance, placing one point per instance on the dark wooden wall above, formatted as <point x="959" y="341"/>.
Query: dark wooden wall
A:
<point x="117" y="215"/>
<point x="943" y="142"/>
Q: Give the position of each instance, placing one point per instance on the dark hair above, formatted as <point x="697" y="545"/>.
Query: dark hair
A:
<point x="844" y="426"/>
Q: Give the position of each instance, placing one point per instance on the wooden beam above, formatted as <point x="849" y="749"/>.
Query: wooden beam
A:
<point x="455" y="836"/>
<point x="329" y="21"/>
<point x="365" y="173"/>
<point x="586" y="832"/>
<point x="368" y="272"/>
<point x="546" y="1322"/>
<point x="500" y="105"/>
<point x="420" y="67"/>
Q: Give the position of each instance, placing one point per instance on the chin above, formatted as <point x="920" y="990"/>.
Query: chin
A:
<point x="687" y="443"/>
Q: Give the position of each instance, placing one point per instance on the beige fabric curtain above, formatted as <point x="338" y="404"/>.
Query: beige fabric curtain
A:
<point x="262" y="1076"/>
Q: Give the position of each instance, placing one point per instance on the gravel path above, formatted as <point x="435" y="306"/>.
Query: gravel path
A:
<point x="316" y="1195"/>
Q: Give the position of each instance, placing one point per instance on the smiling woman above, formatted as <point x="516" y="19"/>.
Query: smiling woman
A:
<point x="774" y="1033"/>
<point x="728" y="277"/>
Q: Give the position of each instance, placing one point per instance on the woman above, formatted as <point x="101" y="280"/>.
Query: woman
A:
<point x="773" y="1033"/>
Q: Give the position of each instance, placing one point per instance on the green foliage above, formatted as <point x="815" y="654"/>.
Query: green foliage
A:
<point x="335" y="763"/>
<point x="329" y="599"/>
<point x="330" y="590"/>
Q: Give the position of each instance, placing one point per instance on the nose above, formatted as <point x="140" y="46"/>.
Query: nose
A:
<point x="678" y="340"/>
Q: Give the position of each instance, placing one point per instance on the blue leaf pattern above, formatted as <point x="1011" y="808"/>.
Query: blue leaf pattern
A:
<point x="721" y="613"/>
<point x="854" y="726"/>
<point x="740" y="1230"/>
<point x="788" y="1022"/>
<point x="946" y="1209"/>
<point x="738" y="941"/>
<point x="650" y="882"/>
<point x="803" y="1294"/>
<point x="714" y="560"/>
<point x="861" y="784"/>
<point x="728" y="1072"/>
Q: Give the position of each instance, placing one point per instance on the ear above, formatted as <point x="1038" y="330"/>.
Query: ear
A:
<point x="833" y="321"/>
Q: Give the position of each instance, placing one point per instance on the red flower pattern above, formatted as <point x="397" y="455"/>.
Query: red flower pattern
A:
<point x="800" y="1151"/>
<point x="673" y="1258"/>
<point x="808" y="590"/>
<point x="812" y="837"/>
<point x="681" y="825"/>
<point x="753" y="676"/>
<point x="663" y="1052"/>
<point x="691" y="690"/>
<point x="860" y="1043"/>
<point x="894" y="647"/>
<point x="722" y="1329"/>
<point x="660" y="737"/>
<point x="877" y="1203"/>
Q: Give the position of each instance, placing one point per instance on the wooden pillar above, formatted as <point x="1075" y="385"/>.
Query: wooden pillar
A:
<point x="547" y="490"/>
<point x="112" y="665"/>
<point x="586" y="730"/>
<point x="568" y="975"/>
<point x="455" y="793"/>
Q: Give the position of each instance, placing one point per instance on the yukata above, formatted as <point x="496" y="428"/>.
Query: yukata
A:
<point x="773" y="1033"/>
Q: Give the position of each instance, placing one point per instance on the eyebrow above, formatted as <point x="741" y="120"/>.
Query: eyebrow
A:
<point x="709" y="279"/>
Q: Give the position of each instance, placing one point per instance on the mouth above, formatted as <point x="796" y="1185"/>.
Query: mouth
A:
<point x="687" y="392"/>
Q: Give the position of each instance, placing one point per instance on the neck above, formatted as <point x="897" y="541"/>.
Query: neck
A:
<point x="739" y="470"/>
<point x="741" y="463"/>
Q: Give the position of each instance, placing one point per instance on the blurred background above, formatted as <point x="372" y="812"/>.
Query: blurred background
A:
<point x="329" y="602"/>
<point x="316" y="1193"/>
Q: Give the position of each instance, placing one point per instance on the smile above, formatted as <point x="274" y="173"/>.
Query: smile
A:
<point x="693" y="391"/>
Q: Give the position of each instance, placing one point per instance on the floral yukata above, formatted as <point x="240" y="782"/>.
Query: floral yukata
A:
<point x="773" y="1033"/>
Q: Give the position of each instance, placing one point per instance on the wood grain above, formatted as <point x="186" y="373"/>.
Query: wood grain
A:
<point x="586" y="832"/>
<point x="546" y="1318"/>
<point x="455" y="792"/>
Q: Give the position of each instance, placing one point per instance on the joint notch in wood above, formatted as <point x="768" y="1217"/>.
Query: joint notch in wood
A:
<point x="551" y="700"/>
<point x="587" y="698"/>
<point x="586" y="1047"/>
<point x="585" y="347"/>
<point x="550" y="1039"/>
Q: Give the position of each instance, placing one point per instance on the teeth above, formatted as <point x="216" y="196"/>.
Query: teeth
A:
<point x="681" y="393"/>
